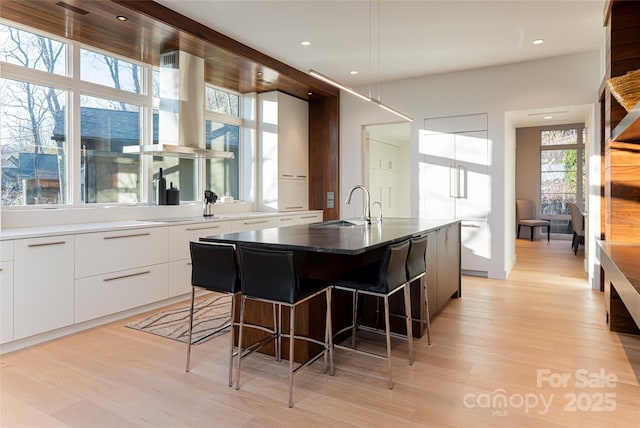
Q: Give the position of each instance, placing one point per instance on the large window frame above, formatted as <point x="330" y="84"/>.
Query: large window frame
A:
<point x="580" y="170"/>
<point x="76" y="88"/>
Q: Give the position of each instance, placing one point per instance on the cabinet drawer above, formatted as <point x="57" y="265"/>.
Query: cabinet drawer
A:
<point x="253" y="224"/>
<point x="180" y="236"/>
<point x="6" y="250"/>
<point x="288" y="220"/>
<point x="310" y="218"/>
<point x="100" y="253"/>
<point x="102" y="295"/>
<point x="179" y="277"/>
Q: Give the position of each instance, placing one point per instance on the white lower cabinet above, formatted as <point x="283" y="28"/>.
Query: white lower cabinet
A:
<point x="180" y="236"/>
<point x="179" y="277"/>
<point x="102" y="295"/>
<point x="180" y="256"/>
<point x="104" y="252"/>
<point x="43" y="277"/>
<point x="6" y="291"/>
<point x="295" y="219"/>
<point x="253" y="224"/>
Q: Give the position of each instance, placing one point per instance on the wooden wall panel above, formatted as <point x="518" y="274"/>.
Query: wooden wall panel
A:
<point x="324" y="155"/>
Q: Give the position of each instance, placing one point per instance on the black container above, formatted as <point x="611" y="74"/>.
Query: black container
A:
<point x="173" y="195"/>
<point x="161" y="190"/>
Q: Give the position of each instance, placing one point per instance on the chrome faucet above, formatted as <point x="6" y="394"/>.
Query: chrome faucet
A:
<point x="379" y="204"/>
<point x="366" y="208"/>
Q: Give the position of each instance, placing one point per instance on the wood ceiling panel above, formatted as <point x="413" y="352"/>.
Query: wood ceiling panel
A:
<point x="151" y="29"/>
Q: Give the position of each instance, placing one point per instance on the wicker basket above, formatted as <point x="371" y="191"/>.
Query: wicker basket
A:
<point x="626" y="89"/>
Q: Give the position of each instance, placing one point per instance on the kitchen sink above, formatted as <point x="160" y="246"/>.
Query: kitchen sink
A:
<point x="341" y="223"/>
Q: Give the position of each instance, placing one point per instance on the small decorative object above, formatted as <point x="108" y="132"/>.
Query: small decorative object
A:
<point x="626" y="89"/>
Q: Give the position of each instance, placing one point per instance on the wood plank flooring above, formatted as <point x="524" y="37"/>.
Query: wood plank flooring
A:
<point x="508" y="339"/>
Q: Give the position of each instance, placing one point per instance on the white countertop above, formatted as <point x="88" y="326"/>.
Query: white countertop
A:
<point x="66" y="229"/>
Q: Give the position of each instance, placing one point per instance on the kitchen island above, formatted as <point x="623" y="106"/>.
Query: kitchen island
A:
<point x="325" y="250"/>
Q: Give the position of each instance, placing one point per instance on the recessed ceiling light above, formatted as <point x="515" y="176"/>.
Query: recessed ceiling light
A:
<point x="309" y="93"/>
<point x="353" y="72"/>
<point x="548" y="117"/>
<point x="538" y="41"/>
<point x="305" y="43"/>
<point x="121" y="18"/>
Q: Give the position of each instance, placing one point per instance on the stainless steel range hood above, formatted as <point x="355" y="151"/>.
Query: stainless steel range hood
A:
<point x="181" y="119"/>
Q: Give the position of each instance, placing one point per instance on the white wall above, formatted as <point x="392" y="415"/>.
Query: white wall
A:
<point x="568" y="80"/>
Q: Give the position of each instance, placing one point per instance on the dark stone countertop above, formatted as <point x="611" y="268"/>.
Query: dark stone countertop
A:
<point x="327" y="237"/>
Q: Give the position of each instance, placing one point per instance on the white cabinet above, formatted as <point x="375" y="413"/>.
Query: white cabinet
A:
<point x="293" y="195"/>
<point x="120" y="270"/>
<point x="180" y="236"/>
<point x="283" y="152"/>
<point x="6" y="291"/>
<point x="102" y="295"/>
<point x="454" y="181"/>
<point x="253" y="224"/>
<point x="295" y="219"/>
<point x="180" y="256"/>
<point x="105" y="252"/>
<point x="43" y="293"/>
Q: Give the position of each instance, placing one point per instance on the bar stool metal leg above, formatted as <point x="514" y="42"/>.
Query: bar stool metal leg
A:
<point x="388" y="336"/>
<point x="277" y="327"/>
<point x="423" y="282"/>
<point x="354" y="324"/>
<point x="242" y="301"/>
<point x="193" y="296"/>
<point x="231" y="338"/>
<point x="407" y="309"/>
<point x="328" y="332"/>
<point x="292" y="312"/>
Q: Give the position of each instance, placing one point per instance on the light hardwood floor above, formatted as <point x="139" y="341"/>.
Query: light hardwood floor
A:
<point x="509" y="339"/>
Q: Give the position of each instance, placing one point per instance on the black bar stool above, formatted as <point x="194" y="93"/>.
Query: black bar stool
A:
<point x="270" y="276"/>
<point x="382" y="280"/>
<point x="214" y="268"/>
<point x="417" y="269"/>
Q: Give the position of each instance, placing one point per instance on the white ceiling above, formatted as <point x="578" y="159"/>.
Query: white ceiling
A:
<point x="398" y="39"/>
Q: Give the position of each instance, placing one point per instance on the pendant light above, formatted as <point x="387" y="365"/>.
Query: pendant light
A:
<point x="351" y="91"/>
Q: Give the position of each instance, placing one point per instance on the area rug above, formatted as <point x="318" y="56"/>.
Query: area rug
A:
<point x="210" y="316"/>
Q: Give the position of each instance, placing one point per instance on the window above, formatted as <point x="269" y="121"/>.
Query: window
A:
<point x="110" y="71"/>
<point x="108" y="175"/>
<point x="562" y="169"/>
<point x="222" y="127"/>
<point x="118" y="106"/>
<point x="33" y="124"/>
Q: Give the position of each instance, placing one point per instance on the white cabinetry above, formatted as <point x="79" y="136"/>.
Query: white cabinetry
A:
<point x="120" y="270"/>
<point x="180" y="256"/>
<point x="295" y="219"/>
<point x="105" y="252"/>
<point x="6" y="291"/>
<point x="43" y="295"/>
<point x="283" y="140"/>
<point x="454" y="181"/>
<point x="253" y="224"/>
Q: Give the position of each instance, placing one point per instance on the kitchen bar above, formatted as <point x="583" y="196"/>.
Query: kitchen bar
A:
<point x="325" y="250"/>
